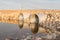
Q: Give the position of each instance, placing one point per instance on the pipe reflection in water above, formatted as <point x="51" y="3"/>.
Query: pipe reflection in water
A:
<point x="34" y="22"/>
<point x="21" y="20"/>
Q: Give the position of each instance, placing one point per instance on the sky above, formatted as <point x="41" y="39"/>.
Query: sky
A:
<point x="29" y="4"/>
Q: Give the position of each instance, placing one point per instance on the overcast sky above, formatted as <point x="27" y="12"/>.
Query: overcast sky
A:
<point x="29" y="4"/>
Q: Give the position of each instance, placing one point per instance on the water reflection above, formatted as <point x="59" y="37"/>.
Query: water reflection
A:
<point x="12" y="32"/>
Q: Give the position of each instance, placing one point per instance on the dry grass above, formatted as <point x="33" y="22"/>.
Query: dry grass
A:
<point x="13" y="14"/>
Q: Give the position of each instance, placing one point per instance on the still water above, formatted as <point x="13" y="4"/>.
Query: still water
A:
<point x="12" y="31"/>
